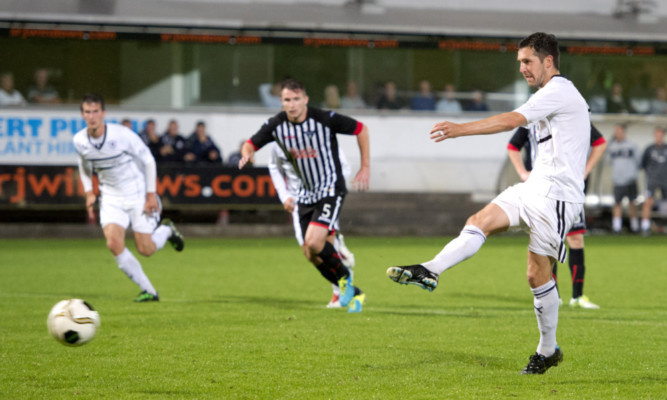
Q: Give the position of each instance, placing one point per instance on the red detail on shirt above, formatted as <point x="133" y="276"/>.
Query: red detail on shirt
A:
<point x="510" y="146"/>
<point x="582" y="231"/>
<point x="253" y="145"/>
<point x="598" y="142"/>
<point x="359" y="128"/>
<point x="304" y="153"/>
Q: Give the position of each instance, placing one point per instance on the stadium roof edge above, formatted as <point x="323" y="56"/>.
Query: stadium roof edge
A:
<point x="321" y="18"/>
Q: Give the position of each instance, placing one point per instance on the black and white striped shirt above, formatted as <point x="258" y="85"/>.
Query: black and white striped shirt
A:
<point x="312" y="148"/>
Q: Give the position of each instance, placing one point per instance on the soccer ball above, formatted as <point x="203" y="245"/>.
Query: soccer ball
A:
<point x="73" y="322"/>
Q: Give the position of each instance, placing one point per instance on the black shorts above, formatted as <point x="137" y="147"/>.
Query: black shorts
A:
<point x="579" y="225"/>
<point x="652" y="187"/>
<point x="324" y="213"/>
<point x="629" y="191"/>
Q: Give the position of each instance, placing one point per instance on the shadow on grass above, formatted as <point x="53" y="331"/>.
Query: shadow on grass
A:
<point x="450" y="358"/>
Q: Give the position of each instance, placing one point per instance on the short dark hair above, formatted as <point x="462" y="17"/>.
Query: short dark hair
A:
<point x="292" y="84"/>
<point x="92" y="98"/>
<point x="544" y="44"/>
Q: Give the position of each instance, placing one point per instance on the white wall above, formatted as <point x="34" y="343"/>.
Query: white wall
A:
<point x="403" y="159"/>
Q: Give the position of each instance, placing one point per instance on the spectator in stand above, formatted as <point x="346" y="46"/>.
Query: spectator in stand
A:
<point x="389" y="99"/>
<point x="352" y="99"/>
<point x="624" y="156"/>
<point x="449" y="104"/>
<point x="150" y="137"/>
<point x="126" y="122"/>
<point x="235" y="157"/>
<point x="331" y="98"/>
<point x="42" y="92"/>
<point x="654" y="163"/>
<point x="425" y="99"/>
<point x="200" y="148"/>
<point x="617" y="103"/>
<point x="269" y="93"/>
<point x="477" y="103"/>
<point x="659" y="102"/>
<point x="8" y="95"/>
<point x="172" y="144"/>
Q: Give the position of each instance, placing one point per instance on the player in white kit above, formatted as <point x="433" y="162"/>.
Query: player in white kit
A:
<point x="287" y="184"/>
<point x="127" y="175"/>
<point x="546" y="204"/>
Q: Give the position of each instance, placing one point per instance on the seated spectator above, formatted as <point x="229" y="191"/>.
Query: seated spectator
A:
<point x="235" y="157"/>
<point x="477" y="103"/>
<point x="352" y="99"/>
<point x="200" y="147"/>
<point x="424" y="100"/>
<point x="42" y="92"/>
<point x="269" y="93"/>
<point x="8" y="95"/>
<point x="331" y="98"/>
<point x="389" y="100"/>
<point x="448" y="104"/>
<point x="151" y="139"/>
<point x="616" y="101"/>
<point x="640" y="95"/>
<point x="659" y="102"/>
<point x="172" y="144"/>
<point x="126" y="122"/>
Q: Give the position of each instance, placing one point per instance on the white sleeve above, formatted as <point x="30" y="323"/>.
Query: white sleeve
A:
<point x="142" y="153"/>
<point x="279" y="180"/>
<point x="541" y="104"/>
<point x="344" y="164"/>
<point x="85" y="174"/>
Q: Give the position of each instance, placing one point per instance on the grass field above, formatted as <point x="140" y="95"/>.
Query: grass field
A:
<point x="246" y="319"/>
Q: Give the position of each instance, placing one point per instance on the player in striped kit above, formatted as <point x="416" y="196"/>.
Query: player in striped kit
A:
<point x="127" y="179"/>
<point x="286" y="181"/>
<point x="575" y="237"/>
<point x="307" y="137"/>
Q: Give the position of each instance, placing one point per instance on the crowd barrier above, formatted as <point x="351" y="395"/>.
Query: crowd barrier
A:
<point x="179" y="186"/>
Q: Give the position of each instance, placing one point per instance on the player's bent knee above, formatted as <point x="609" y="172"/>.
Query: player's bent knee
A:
<point x="146" y="249"/>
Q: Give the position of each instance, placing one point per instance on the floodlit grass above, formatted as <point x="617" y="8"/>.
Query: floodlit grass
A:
<point x="246" y="319"/>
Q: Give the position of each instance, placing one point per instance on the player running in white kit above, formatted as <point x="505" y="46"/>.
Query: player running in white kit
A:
<point x="127" y="174"/>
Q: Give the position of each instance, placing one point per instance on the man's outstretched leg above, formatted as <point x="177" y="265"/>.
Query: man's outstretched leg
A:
<point x="491" y="219"/>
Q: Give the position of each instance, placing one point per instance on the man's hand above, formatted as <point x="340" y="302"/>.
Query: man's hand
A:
<point x="362" y="179"/>
<point x="288" y="205"/>
<point x="151" y="205"/>
<point x="444" y="130"/>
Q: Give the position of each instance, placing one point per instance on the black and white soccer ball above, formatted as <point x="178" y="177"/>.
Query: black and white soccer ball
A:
<point x="73" y="322"/>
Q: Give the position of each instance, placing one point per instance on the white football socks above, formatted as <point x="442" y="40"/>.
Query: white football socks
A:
<point x="616" y="224"/>
<point x="469" y="241"/>
<point x="160" y="236"/>
<point x="546" y="309"/>
<point x="129" y="264"/>
<point x="646" y="224"/>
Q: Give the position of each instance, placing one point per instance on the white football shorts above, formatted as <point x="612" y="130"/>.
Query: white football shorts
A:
<point x="546" y="220"/>
<point x="128" y="212"/>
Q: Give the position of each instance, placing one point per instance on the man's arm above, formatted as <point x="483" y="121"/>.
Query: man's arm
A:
<point x="498" y="123"/>
<point x="86" y="176"/>
<point x="594" y="157"/>
<point x="361" y="180"/>
<point x="247" y="152"/>
<point x="517" y="162"/>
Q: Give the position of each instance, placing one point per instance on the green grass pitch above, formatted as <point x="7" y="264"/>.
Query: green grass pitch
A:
<point x="246" y="319"/>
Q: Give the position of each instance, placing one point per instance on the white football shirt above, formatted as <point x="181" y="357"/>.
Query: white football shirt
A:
<point x="559" y="121"/>
<point x="123" y="163"/>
